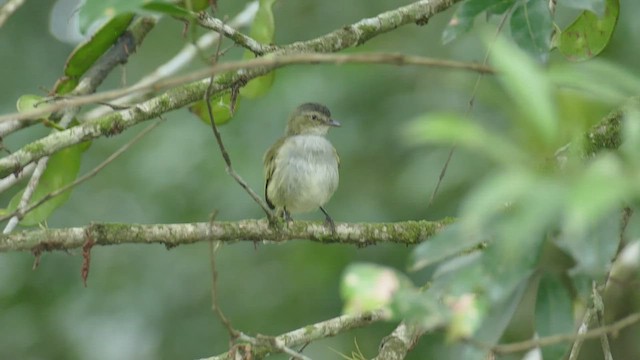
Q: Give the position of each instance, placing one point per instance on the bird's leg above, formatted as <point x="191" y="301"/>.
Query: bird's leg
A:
<point x="328" y="220"/>
<point x="286" y="215"/>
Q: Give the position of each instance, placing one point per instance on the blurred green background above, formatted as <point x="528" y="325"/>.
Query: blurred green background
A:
<point x="144" y="302"/>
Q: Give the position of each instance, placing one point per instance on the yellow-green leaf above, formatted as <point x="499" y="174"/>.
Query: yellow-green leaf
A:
<point x="86" y="54"/>
<point x="220" y="106"/>
<point x="589" y="34"/>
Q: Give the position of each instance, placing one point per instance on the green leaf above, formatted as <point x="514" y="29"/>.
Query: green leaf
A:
<point x="446" y="128"/>
<point x="367" y="287"/>
<point x="62" y="169"/>
<point x="593" y="247"/>
<point x="532" y="26"/>
<point x="595" y="6"/>
<point x="449" y="242"/>
<point x="500" y="7"/>
<point x="29" y="102"/>
<point x="553" y="314"/>
<point x="494" y="323"/>
<point x="93" y="10"/>
<point x="197" y="5"/>
<point x="86" y="54"/>
<point x="588" y="35"/>
<point x="602" y="188"/>
<point x="462" y="19"/>
<point x="530" y="89"/>
<point x="168" y="9"/>
<point x="220" y="107"/>
<point x="262" y="30"/>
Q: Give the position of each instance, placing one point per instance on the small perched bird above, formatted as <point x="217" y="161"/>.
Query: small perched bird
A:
<point x="301" y="168"/>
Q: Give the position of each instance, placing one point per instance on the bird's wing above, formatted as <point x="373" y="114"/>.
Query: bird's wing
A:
<point x="335" y="152"/>
<point x="270" y="166"/>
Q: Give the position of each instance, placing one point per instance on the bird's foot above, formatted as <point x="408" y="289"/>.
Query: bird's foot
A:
<point x="328" y="221"/>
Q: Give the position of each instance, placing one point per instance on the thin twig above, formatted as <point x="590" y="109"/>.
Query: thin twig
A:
<point x="443" y="171"/>
<point x="582" y="329"/>
<point x="88" y="175"/>
<point x="560" y="338"/>
<point x="8" y="8"/>
<point x="227" y="158"/>
<point x="215" y="305"/>
<point x="598" y="306"/>
<point x="269" y="63"/>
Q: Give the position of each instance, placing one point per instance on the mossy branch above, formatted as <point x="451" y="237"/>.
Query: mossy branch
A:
<point x="171" y="235"/>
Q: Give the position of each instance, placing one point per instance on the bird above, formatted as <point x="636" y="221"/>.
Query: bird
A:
<point x="301" y="168"/>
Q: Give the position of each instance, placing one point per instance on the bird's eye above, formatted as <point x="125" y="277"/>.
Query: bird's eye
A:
<point x="314" y="117"/>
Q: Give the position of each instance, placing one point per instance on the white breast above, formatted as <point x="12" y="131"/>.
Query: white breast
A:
<point x="306" y="173"/>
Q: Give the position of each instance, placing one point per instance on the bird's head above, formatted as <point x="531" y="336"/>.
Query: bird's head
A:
<point x="310" y="119"/>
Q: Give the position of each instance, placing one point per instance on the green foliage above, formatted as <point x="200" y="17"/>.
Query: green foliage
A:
<point x="93" y="10"/>
<point x="553" y="313"/>
<point x="29" y="102"/>
<point x="220" y="108"/>
<point x="532" y="27"/>
<point x="463" y="18"/>
<point x="589" y="34"/>
<point x="449" y="242"/>
<point x="262" y="30"/>
<point x="168" y="9"/>
<point x="86" y="54"/>
<point x="533" y="197"/>
<point x="62" y="169"/>
<point x="596" y="6"/>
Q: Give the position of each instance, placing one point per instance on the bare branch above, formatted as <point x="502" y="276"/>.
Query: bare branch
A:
<point x="8" y="8"/>
<point x="349" y="36"/>
<point x="207" y="21"/>
<point x="248" y="69"/>
<point x="311" y="333"/>
<point x="214" y="246"/>
<point x="359" y="234"/>
<point x="582" y="329"/>
<point x="26" y="195"/>
<point x="560" y="338"/>
<point x="399" y="342"/>
<point x="12" y="179"/>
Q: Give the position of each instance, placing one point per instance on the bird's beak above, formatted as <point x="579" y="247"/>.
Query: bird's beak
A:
<point x="333" y="123"/>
